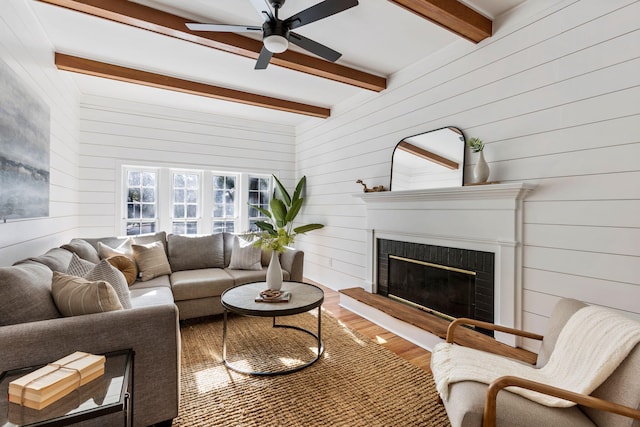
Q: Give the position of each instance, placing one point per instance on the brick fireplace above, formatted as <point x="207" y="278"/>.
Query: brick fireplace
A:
<point x="449" y="224"/>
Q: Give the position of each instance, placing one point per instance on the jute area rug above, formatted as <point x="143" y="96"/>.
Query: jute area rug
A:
<point x="356" y="382"/>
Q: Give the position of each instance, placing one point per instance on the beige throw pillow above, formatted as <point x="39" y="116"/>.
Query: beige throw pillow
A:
<point x="76" y="296"/>
<point x="103" y="270"/>
<point x="245" y="256"/>
<point x="152" y="260"/>
<point x="107" y="252"/>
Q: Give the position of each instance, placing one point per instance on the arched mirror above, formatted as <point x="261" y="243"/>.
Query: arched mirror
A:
<point x="432" y="159"/>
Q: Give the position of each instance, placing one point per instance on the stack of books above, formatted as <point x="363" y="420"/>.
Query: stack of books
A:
<point x="273" y="296"/>
<point x="52" y="382"/>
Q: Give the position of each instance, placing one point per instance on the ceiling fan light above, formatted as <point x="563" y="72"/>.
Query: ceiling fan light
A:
<point x="275" y="43"/>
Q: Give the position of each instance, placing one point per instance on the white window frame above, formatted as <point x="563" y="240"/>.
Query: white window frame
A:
<point x="164" y="197"/>
<point x="124" y="220"/>
<point x="199" y="207"/>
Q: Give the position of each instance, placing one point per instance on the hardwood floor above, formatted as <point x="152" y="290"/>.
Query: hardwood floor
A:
<point x="403" y="348"/>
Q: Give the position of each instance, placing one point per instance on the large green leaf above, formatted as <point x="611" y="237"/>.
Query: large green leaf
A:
<point x="279" y="211"/>
<point x="296" y="204"/>
<point x="305" y="228"/>
<point x="265" y="212"/>
<point x="299" y="188"/>
<point x="283" y="191"/>
<point x="266" y="226"/>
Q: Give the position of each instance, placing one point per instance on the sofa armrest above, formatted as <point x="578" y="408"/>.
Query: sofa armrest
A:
<point x="489" y="416"/>
<point x="153" y="333"/>
<point x="292" y="260"/>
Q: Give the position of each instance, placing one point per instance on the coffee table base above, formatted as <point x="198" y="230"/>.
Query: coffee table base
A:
<point x="318" y="337"/>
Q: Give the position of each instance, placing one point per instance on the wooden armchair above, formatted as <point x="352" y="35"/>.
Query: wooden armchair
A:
<point x="472" y="404"/>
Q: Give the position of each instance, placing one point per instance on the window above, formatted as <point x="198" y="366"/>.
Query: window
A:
<point x="224" y="203"/>
<point x="181" y="201"/>
<point x="186" y="190"/>
<point x="141" y="202"/>
<point x="259" y="195"/>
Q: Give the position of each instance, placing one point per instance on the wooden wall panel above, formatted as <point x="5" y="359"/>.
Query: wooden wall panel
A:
<point x="554" y="95"/>
<point x="116" y="133"/>
<point x="27" y="51"/>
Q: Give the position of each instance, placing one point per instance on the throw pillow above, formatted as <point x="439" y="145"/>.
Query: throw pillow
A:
<point x="75" y="296"/>
<point x="152" y="260"/>
<point x="104" y="271"/>
<point x="79" y="267"/>
<point x="145" y="239"/>
<point x="83" y="249"/>
<point x="107" y="252"/>
<point x="245" y="256"/>
<point x="195" y="252"/>
<point x="126" y="266"/>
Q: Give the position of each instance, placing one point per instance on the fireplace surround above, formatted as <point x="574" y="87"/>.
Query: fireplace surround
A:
<point x="482" y="218"/>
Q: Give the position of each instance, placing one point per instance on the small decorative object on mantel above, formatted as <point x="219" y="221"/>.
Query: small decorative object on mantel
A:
<point x="481" y="171"/>
<point x="375" y="189"/>
<point x="278" y="232"/>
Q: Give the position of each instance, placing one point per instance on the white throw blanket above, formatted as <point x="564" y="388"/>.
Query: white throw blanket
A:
<point x="592" y="344"/>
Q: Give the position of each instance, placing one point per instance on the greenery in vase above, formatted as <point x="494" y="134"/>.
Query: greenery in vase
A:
<point x="278" y="232"/>
<point x="476" y="145"/>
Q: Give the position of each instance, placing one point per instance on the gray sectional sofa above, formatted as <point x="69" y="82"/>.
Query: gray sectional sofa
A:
<point x="32" y="330"/>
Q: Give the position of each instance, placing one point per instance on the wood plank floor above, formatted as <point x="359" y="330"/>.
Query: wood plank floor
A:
<point x="403" y="348"/>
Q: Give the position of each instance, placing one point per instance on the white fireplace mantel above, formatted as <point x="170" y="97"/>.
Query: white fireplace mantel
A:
<point x="485" y="218"/>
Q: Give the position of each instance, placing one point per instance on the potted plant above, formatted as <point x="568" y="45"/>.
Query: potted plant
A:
<point x="481" y="171"/>
<point x="278" y="232"/>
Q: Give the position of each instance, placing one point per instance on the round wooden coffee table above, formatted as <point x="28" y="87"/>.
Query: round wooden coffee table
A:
<point x="242" y="300"/>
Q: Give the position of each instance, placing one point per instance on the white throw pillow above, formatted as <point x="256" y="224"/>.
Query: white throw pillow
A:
<point x="245" y="256"/>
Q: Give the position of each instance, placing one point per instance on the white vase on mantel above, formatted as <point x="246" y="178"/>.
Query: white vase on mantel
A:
<point x="274" y="272"/>
<point x="481" y="171"/>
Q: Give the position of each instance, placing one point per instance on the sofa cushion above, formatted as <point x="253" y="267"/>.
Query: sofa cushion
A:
<point x="77" y="296"/>
<point x="56" y="259"/>
<point x="106" y="272"/>
<point x="83" y="249"/>
<point x="112" y="241"/>
<point x="145" y="239"/>
<point x="195" y="252"/>
<point x="127" y="267"/>
<point x="25" y="294"/>
<point x="156" y="282"/>
<point x="208" y="282"/>
<point x="151" y="259"/>
<point x="228" y="238"/>
<point x="245" y="256"/>
<point x="145" y="297"/>
<point x="240" y="277"/>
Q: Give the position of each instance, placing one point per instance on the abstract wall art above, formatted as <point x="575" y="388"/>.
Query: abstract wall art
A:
<point x="24" y="149"/>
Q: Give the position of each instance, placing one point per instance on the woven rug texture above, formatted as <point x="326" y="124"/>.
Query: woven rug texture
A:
<point x="356" y="382"/>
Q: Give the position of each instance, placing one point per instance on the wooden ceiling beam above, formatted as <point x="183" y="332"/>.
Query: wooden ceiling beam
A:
<point x="130" y="75"/>
<point x="452" y="15"/>
<point x="140" y="16"/>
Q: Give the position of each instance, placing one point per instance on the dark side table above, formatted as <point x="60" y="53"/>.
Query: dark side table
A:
<point x="108" y="394"/>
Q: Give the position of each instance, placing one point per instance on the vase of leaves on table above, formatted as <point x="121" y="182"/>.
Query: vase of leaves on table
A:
<point x="277" y="231"/>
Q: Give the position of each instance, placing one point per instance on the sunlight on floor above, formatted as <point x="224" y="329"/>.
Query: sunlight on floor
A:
<point x="380" y="340"/>
<point x="349" y="332"/>
<point x="212" y="379"/>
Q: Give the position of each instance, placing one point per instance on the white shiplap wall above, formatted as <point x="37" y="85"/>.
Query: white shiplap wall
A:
<point x="115" y="132"/>
<point x="555" y="95"/>
<point x="27" y="51"/>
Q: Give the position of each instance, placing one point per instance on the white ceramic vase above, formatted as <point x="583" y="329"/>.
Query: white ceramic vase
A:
<point x="274" y="272"/>
<point x="481" y="171"/>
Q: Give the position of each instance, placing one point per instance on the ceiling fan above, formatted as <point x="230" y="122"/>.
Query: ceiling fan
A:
<point x="276" y="33"/>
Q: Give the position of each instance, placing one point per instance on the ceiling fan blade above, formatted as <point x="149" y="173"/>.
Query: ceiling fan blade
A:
<point x="263" y="59"/>
<point x="263" y="9"/>
<point x="319" y="11"/>
<point x="224" y="28"/>
<point x="314" y="47"/>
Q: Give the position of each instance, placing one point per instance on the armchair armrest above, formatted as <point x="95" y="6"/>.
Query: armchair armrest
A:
<point x="489" y="416"/>
<point x="486" y="325"/>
